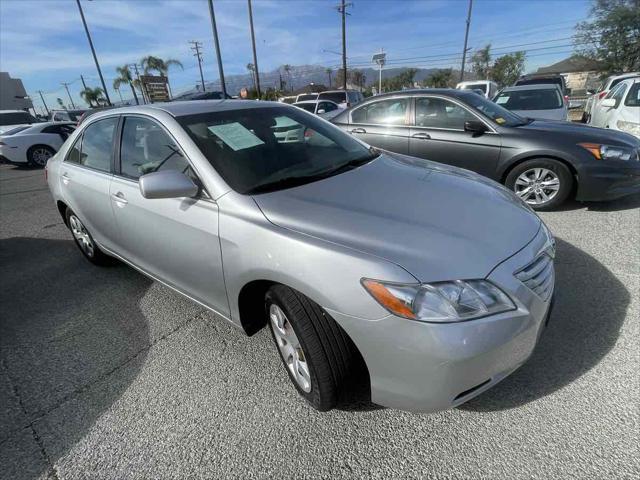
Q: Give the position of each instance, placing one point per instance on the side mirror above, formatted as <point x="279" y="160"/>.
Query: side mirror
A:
<point x="322" y="110"/>
<point x="167" y="184"/>
<point x="475" y="126"/>
<point x="608" y="102"/>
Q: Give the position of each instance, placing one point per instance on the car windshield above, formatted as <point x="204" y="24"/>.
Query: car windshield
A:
<point x="338" y="97"/>
<point x="633" y="97"/>
<point x="307" y="96"/>
<point x="476" y="86"/>
<point x="493" y="111"/>
<point x="538" y="99"/>
<point x="257" y="150"/>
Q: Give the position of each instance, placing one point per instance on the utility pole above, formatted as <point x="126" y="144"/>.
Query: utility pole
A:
<point x="466" y="37"/>
<point x="342" y="8"/>
<point x="83" y="83"/>
<point x="255" y="57"/>
<point x="196" y="46"/>
<point x="93" y="51"/>
<point x="44" y="103"/>
<point x="215" y="40"/>
<point x="135" y="69"/>
<point x="66" y="87"/>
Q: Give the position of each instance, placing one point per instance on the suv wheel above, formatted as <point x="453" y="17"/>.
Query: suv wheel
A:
<point x="85" y="242"/>
<point x="543" y="183"/>
<point x="315" y="351"/>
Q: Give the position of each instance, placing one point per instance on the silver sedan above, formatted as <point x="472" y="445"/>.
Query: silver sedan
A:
<point x="435" y="280"/>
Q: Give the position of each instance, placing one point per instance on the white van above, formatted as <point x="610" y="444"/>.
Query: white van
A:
<point x="488" y="87"/>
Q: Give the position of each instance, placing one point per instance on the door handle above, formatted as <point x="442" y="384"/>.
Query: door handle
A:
<point x="119" y="199"/>
<point x="358" y="130"/>
<point x="421" y="136"/>
<point x="65" y="178"/>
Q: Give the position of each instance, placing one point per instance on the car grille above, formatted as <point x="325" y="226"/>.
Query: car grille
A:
<point x="538" y="276"/>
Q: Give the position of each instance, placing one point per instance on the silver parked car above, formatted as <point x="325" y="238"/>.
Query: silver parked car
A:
<point x="435" y="279"/>
<point x="540" y="101"/>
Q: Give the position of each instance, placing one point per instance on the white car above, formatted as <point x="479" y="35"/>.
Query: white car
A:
<point x="603" y="90"/>
<point x="540" y="101"/>
<point x="34" y="145"/>
<point x="620" y="109"/>
<point x="9" y="119"/>
<point x="66" y="115"/>
<point x="487" y="87"/>
<point x="323" y="108"/>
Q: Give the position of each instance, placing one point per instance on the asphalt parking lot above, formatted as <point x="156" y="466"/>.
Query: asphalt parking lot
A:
<point x="106" y="374"/>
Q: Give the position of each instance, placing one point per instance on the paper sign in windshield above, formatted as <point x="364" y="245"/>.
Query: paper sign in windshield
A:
<point x="235" y="136"/>
<point x="502" y="100"/>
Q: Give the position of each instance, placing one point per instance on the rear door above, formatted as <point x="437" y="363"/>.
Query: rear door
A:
<point x="438" y="134"/>
<point x="174" y="239"/>
<point x="85" y="175"/>
<point x="383" y="124"/>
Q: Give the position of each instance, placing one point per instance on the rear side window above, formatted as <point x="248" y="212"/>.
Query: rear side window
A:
<point x="633" y="97"/>
<point x="96" y="147"/>
<point x="338" y="97"/>
<point x="147" y="148"/>
<point x="384" y="112"/>
<point x="548" y="99"/>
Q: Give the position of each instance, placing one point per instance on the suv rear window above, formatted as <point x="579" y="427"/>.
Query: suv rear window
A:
<point x="476" y="86"/>
<point x="547" y="99"/>
<point x="338" y="97"/>
<point x="633" y="97"/>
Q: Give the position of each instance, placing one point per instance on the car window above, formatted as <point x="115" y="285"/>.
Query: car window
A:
<point x="16" y="118"/>
<point x="619" y="93"/>
<point x="145" y="147"/>
<point x="441" y="113"/>
<point x="268" y="148"/>
<point x="613" y="91"/>
<point x="73" y="156"/>
<point x="327" y="106"/>
<point x="476" y="86"/>
<point x="547" y="99"/>
<point x="384" y="112"/>
<point x="97" y="144"/>
<point x="309" y="107"/>
<point x="337" y="97"/>
<point x="307" y="96"/>
<point x="633" y="97"/>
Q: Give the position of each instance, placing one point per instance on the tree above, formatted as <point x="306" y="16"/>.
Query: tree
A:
<point x="125" y="77"/>
<point x="403" y="80"/>
<point x="92" y="95"/>
<point x="151" y="63"/>
<point x="329" y="71"/>
<point x="481" y="61"/>
<point x="612" y="35"/>
<point x="358" y="78"/>
<point x="340" y="77"/>
<point x="508" y="68"/>
<point x="442" y="78"/>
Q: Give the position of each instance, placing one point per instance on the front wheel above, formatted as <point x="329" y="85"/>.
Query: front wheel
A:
<point x="315" y="351"/>
<point x="542" y="183"/>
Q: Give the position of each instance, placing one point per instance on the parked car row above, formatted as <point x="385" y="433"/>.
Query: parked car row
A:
<point x="620" y="107"/>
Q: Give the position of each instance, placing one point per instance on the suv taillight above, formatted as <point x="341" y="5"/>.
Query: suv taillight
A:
<point x="602" y="94"/>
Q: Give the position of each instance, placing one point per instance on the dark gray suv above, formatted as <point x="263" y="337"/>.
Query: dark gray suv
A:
<point x="544" y="162"/>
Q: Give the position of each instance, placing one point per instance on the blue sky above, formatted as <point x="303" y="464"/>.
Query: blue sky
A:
<point x="43" y="41"/>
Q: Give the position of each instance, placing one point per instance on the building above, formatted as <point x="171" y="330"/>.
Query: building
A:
<point x="13" y="96"/>
<point x="579" y="72"/>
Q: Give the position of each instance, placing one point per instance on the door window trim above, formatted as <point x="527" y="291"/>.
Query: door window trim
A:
<point x="452" y="100"/>
<point x="407" y="114"/>
<point x="202" y="195"/>
<point x="81" y="140"/>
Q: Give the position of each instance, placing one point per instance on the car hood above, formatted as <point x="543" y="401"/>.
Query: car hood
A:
<point x="437" y="222"/>
<point x="582" y="133"/>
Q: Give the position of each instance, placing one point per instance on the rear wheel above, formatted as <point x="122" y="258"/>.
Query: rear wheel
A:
<point x="85" y="242"/>
<point x="39" y="155"/>
<point x="543" y="183"/>
<point x="315" y="351"/>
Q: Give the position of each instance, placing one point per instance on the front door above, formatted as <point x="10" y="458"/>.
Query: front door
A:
<point x="174" y="239"/>
<point x="438" y="134"/>
<point x="383" y="124"/>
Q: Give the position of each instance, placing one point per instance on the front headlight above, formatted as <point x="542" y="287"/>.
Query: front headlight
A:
<point x="440" y="302"/>
<point x="610" y="152"/>
<point x="629" y="127"/>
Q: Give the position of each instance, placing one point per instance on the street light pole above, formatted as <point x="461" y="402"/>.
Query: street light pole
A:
<point x="466" y="37"/>
<point x="93" y="51"/>
<point x="66" y="87"/>
<point x="343" y="11"/>
<point x="43" y="102"/>
<point x="255" y="57"/>
<point x="215" y="40"/>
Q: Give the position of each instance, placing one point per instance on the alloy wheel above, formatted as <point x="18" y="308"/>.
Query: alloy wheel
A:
<point x="537" y="186"/>
<point x="290" y="348"/>
<point x="40" y="156"/>
<point x="82" y="236"/>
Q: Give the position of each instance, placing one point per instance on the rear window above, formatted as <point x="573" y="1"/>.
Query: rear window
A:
<point x="338" y="97"/>
<point x="15" y="118"/>
<point x="633" y="97"/>
<point x="548" y="99"/>
<point x="476" y="86"/>
<point x="307" y="96"/>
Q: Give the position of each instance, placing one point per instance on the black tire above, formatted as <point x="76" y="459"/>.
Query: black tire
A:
<point x="558" y="168"/>
<point x="327" y="349"/>
<point x="36" y="155"/>
<point x="94" y="255"/>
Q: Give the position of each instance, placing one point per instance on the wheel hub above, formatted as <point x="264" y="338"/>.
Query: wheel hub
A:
<point x="537" y="186"/>
<point x="290" y="348"/>
<point x="81" y="235"/>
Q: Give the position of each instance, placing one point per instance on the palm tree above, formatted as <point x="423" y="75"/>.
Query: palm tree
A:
<point x="125" y="77"/>
<point x="61" y="103"/>
<point x="329" y="71"/>
<point x="287" y="69"/>
<point x="91" y="95"/>
<point x="151" y="63"/>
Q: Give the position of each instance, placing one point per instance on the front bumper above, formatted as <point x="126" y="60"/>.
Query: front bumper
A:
<point x="427" y="367"/>
<point x="603" y="181"/>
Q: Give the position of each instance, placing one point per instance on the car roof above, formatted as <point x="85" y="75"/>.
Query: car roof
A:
<point x="475" y="82"/>
<point x="533" y="86"/>
<point x="624" y="75"/>
<point x="450" y="92"/>
<point x="13" y="111"/>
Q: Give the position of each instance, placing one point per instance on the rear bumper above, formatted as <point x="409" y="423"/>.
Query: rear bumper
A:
<point x="428" y="367"/>
<point x="606" y="182"/>
<point x="12" y="155"/>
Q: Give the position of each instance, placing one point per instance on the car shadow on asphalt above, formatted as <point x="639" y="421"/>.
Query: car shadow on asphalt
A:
<point x="65" y="326"/>
<point x="625" y="203"/>
<point x="590" y="307"/>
